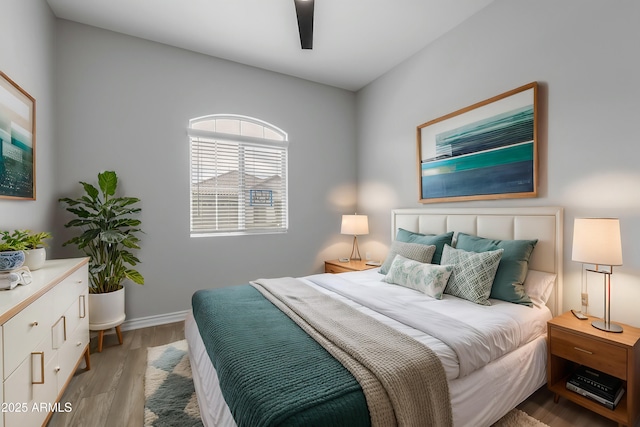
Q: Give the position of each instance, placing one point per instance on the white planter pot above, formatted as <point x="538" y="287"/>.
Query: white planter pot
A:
<point x="106" y="310"/>
<point x="35" y="258"/>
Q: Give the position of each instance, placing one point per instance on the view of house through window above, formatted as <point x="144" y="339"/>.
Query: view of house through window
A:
<point x="238" y="176"/>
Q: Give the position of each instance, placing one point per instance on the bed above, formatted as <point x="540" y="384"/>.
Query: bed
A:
<point x="482" y="386"/>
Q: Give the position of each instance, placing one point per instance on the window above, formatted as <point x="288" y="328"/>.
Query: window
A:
<point x="238" y="176"/>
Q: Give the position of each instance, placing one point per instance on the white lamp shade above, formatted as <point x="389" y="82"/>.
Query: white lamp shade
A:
<point x="356" y="225"/>
<point x="597" y="241"/>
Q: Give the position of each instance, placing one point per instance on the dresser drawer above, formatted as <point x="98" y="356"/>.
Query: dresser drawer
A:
<point x="21" y="390"/>
<point x="68" y="290"/>
<point x="599" y="355"/>
<point x="1" y="355"/>
<point x="70" y="353"/>
<point x="25" y="330"/>
<point x="67" y="324"/>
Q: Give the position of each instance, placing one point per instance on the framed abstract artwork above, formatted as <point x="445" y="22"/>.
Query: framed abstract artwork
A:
<point x="488" y="150"/>
<point x="17" y="141"/>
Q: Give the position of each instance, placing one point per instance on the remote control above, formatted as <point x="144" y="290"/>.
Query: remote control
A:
<point x="579" y="315"/>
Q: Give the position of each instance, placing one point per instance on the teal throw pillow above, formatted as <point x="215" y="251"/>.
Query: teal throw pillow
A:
<point x="426" y="239"/>
<point x="512" y="271"/>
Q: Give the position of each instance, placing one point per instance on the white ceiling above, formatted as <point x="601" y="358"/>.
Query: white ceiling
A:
<point x="355" y="41"/>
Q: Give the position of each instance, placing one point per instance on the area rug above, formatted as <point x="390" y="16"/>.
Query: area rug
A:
<point x="518" y="418"/>
<point x="170" y="398"/>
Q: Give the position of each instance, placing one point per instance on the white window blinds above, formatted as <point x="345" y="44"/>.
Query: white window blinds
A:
<point x="238" y="176"/>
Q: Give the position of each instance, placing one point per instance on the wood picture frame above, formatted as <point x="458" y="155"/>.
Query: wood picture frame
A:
<point x="17" y="141"/>
<point x="488" y="150"/>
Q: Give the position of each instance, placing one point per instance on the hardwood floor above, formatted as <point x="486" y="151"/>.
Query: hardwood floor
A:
<point x="112" y="392"/>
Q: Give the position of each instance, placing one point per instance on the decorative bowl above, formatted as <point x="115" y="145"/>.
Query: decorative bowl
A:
<point x="10" y="260"/>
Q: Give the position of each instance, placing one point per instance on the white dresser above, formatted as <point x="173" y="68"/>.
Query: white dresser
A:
<point x="44" y="336"/>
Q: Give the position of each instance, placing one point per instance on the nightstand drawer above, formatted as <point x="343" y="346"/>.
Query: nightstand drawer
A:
<point x="337" y="266"/>
<point x="599" y="355"/>
<point x="330" y="268"/>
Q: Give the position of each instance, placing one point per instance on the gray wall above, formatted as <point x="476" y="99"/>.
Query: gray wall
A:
<point x="26" y="56"/>
<point x="585" y="56"/>
<point x="124" y="103"/>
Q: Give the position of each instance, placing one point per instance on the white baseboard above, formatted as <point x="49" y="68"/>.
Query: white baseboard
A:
<point x="160" y="319"/>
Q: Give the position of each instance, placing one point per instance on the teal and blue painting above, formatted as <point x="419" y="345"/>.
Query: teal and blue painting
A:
<point x="490" y="156"/>
<point x="16" y="163"/>
<point x="17" y="141"/>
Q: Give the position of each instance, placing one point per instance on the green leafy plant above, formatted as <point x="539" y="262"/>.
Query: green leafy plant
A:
<point x="37" y="240"/>
<point x="13" y="241"/>
<point x="109" y="233"/>
<point x="25" y="239"/>
<point x="8" y="247"/>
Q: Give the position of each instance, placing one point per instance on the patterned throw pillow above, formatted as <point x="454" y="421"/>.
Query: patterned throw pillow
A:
<point x="414" y="251"/>
<point x="514" y="264"/>
<point x="430" y="279"/>
<point x="473" y="273"/>
<point x="426" y="239"/>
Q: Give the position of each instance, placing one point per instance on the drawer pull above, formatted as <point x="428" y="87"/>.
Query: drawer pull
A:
<point x="35" y="323"/>
<point x="59" y="338"/>
<point x="57" y="369"/>
<point x="583" y="350"/>
<point x="82" y="308"/>
<point x="35" y="353"/>
<point x="79" y="343"/>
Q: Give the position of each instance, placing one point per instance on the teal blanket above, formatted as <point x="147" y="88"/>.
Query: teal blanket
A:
<point x="271" y="372"/>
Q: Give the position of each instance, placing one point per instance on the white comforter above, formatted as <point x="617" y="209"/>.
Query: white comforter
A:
<point x="476" y="334"/>
<point x="478" y="399"/>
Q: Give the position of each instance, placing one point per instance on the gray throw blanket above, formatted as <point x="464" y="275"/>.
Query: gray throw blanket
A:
<point x="403" y="380"/>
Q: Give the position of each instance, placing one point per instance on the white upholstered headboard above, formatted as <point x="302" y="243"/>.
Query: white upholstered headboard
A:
<point x="542" y="223"/>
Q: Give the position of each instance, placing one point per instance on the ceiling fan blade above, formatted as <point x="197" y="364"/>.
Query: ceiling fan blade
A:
<point x="304" y="10"/>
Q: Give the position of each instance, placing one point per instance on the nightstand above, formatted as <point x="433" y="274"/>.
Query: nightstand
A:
<point x="574" y="342"/>
<point x="335" y="266"/>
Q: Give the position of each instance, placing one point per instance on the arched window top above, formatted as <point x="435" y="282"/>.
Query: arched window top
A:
<point x="243" y="126"/>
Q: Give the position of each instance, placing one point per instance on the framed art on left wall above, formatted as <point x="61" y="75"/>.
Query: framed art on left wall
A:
<point x="17" y="141"/>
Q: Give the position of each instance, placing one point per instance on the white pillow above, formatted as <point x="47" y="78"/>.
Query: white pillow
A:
<point x="473" y="273"/>
<point x="538" y="285"/>
<point x="414" y="251"/>
<point x="430" y="279"/>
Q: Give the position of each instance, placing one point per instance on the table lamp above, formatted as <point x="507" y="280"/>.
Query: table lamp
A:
<point x="597" y="241"/>
<point x="356" y="225"/>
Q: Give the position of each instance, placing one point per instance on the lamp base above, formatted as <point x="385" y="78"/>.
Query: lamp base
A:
<point x="355" y="252"/>
<point x="603" y="326"/>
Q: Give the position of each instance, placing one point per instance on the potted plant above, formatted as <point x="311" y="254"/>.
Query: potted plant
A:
<point x="36" y="240"/>
<point x="108" y="236"/>
<point x="36" y="252"/>
<point x="11" y="253"/>
<point x="33" y="244"/>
